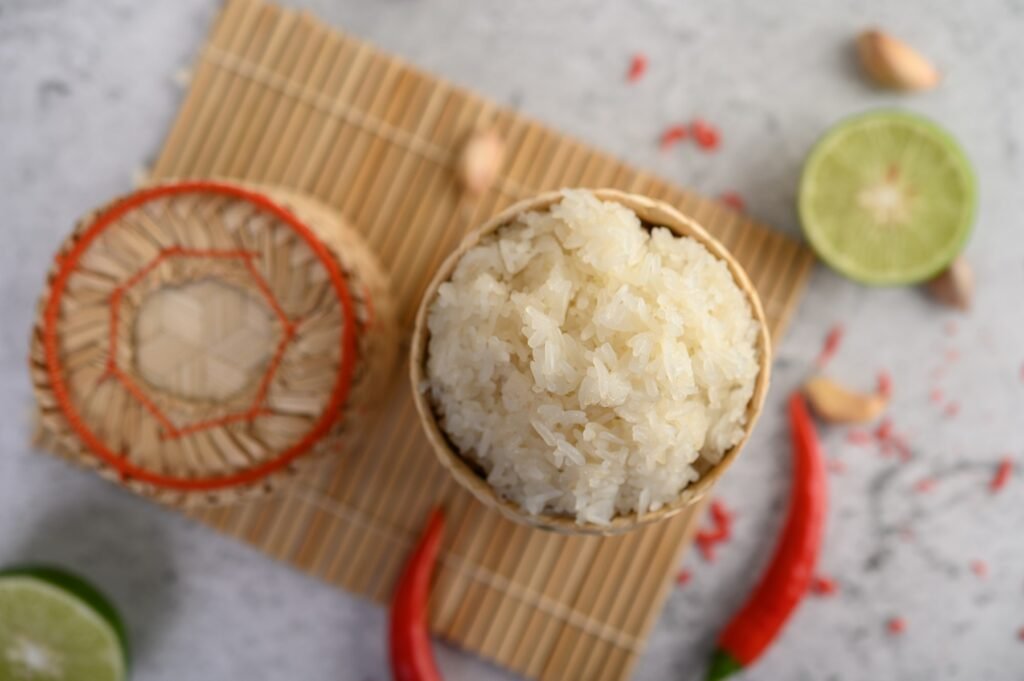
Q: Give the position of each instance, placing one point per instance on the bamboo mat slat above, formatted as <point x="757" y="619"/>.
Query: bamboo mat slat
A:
<point x="278" y="98"/>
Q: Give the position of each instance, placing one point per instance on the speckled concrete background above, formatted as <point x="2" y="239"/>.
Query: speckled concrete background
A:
<point x="86" y="95"/>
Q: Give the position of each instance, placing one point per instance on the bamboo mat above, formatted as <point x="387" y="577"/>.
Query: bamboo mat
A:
<point x="277" y="98"/>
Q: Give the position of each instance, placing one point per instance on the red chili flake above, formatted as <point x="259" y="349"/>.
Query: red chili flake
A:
<point x="924" y="485"/>
<point x="672" y="136"/>
<point x="980" y="568"/>
<point x="823" y="586"/>
<point x="952" y="409"/>
<point x="884" y="383"/>
<point x="721" y="531"/>
<point x="733" y="200"/>
<point x="896" y="625"/>
<point x="713" y="536"/>
<point x="683" y="577"/>
<point x="637" y="67"/>
<point x="901" y="447"/>
<point x="707" y="549"/>
<point x="858" y="437"/>
<point x="721" y="515"/>
<point x="884" y="431"/>
<point x="706" y="135"/>
<point x="952" y="355"/>
<point x="837" y="466"/>
<point x="831" y="345"/>
<point x="1002" y="475"/>
<point x="935" y="395"/>
<point x="1020" y="634"/>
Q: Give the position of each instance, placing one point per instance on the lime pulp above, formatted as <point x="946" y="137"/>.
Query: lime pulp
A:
<point x="56" y="627"/>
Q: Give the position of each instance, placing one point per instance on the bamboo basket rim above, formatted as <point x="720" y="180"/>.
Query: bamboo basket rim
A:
<point x="71" y="253"/>
<point x="650" y="211"/>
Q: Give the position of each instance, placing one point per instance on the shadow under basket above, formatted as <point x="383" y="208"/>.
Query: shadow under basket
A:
<point x="199" y="341"/>
<point x="469" y="474"/>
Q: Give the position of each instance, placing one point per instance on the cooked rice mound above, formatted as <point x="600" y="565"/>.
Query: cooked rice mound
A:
<point x="586" y="363"/>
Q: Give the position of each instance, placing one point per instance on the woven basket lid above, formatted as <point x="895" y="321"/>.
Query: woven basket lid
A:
<point x="195" y="339"/>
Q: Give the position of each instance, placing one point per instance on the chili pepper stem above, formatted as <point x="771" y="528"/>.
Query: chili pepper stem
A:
<point x="723" y="665"/>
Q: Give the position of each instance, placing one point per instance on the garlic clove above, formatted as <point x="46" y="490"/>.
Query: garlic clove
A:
<point x="894" y="64"/>
<point x="955" y="286"/>
<point x="837" y="404"/>
<point x="480" y="161"/>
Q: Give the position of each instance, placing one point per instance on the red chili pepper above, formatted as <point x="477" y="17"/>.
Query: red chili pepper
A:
<point x="791" y="569"/>
<point x="637" y="67"/>
<point x="683" y="577"/>
<point x="412" y="658"/>
<point x="979" y="568"/>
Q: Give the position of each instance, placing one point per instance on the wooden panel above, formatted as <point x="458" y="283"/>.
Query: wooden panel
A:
<point x="279" y="98"/>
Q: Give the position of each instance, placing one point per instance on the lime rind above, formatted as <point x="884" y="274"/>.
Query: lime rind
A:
<point x="67" y="612"/>
<point x="931" y="157"/>
<point x="80" y="588"/>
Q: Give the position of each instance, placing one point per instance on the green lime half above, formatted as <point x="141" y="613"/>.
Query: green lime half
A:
<point x="887" y="198"/>
<point x="56" y="627"/>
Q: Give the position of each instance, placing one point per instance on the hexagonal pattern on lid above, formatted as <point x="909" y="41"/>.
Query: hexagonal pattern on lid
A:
<point x="197" y="340"/>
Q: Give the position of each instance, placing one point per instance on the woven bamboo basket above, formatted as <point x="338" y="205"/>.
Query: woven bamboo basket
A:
<point x="199" y="341"/>
<point x="651" y="212"/>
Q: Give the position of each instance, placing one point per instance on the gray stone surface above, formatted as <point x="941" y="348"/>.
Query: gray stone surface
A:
<point x="86" y="96"/>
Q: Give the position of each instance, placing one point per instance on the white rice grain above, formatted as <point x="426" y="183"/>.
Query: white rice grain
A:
<point x="586" y="363"/>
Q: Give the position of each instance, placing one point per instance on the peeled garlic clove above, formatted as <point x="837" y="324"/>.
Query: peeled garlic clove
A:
<point x="836" y="404"/>
<point x="893" y="63"/>
<point x="480" y="160"/>
<point x="955" y="286"/>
